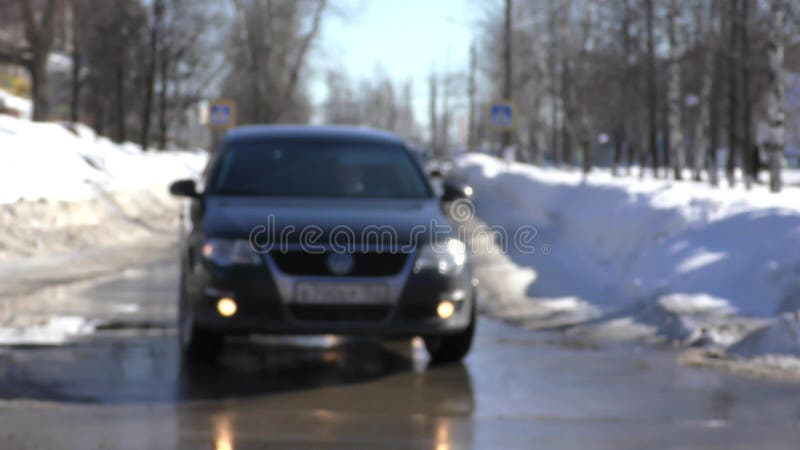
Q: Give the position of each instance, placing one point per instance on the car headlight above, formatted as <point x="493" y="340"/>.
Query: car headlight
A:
<point x="228" y="252"/>
<point x="447" y="257"/>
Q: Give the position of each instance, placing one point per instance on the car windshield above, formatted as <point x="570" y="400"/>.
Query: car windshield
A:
<point x="318" y="168"/>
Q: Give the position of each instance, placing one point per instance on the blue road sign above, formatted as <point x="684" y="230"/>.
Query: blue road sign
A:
<point x="222" y="114"/>
<point x="501" y="115"/>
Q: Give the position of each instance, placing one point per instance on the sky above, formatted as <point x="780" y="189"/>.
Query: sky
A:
<point x="406" y="39"/>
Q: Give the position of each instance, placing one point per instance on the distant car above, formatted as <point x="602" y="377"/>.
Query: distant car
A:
<point x="246" y="266"/>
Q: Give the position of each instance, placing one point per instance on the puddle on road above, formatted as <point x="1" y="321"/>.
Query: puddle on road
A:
<point x="122" y="367"/>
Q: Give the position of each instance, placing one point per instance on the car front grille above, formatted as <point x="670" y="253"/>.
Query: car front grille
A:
<point x="343" y="313"/>
<point x="366" y="264"/>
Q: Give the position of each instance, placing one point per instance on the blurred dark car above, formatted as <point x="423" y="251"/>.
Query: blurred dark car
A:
<point x="249" y="266"/>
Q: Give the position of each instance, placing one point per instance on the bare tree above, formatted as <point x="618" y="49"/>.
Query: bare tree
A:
<point x="269" y="53"/>
<point x="621" y="133"/>
<point x="652" y="96"/>
<point x="554" y="88"/>
<point x="775" y="141"/>
<point x="733" y="92"/>
<point x="76" y="8"/>
<point x="747" y="149"/>
<point x="674" y="103"/>
<point x="33" y="54"/>
<point x="156" y="26"/>
<point x="703" y="124"/>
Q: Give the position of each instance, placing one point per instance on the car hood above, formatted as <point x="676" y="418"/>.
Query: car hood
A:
<point x="274" y="220"/>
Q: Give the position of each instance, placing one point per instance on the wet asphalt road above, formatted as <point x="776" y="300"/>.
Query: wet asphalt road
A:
<point x="124" y="388"/>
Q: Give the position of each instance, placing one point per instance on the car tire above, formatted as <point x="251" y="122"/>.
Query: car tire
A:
<point x="452" y="348"/>
<point x="203" y="347"/>
<point x="197" y="345"/>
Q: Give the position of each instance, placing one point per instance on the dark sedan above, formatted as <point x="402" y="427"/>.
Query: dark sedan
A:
<point x="321" y="230"/>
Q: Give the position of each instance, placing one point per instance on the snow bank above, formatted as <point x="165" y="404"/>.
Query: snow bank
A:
<point x="780" y="338"/>
<point x="48" y="161"/>
<point x="56" y="330"/>
<point x="656" y="259"/>
<point x="617" y="241"/>
<point x="18" y="105"/>
<point x="63" y="190"/>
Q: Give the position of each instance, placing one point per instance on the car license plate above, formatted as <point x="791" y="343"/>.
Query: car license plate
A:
<point x="340" y="293"/>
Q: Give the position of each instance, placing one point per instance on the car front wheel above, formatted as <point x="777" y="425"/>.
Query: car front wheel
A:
<point x="451" y="348"/>
<point x="197" y="344"/>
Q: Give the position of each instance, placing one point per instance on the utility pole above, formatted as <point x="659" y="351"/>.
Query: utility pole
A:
<point x="507" y="88"/>
<point x="433" y="114"/>
<point x="473" y="63"/>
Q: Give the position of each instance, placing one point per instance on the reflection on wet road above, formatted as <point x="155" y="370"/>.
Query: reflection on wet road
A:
<point x="137" y="369"/>
<point x="125" y="388"/>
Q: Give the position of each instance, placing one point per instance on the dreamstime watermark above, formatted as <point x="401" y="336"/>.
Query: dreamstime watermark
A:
<point x="477" y="237"/>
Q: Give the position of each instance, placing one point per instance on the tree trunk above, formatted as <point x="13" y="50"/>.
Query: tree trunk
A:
<point x="666" y="157"/>
<point x="508" y="73"/>
<point x="162" y="100"/>
<point x="674" y="96"/>
<point x="619" y="142"/>
<point x="119" y="101"/>
<point x="569" y="120"/>
<point x="748" y="152"/>
<point x="38" y="32"/>
<point x="75" y="80"/>
<point x="652" y="97"/>
<point x="733" y="96"/>
<point x="776" y="134"/>
<point x="150" y="75"/>
<point x="703" y="125"/>
<point x="620" y="134"/>
<point x="39" y="88"/>
<point x="714" y="119"/>
<point x="588" y="157"/>
<point x="553" y="83"/>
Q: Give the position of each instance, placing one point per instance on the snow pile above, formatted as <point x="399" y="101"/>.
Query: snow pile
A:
<point x="63" y="190"/>
<point x="18" y="105"/>
<point x="54" y="331"/>
<point x="675" y="257"/>
<point x="780" y="338"/>
<point x="48" y="161"/>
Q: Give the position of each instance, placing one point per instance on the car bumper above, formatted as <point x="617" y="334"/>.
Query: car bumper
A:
<point x="263" y="310"/>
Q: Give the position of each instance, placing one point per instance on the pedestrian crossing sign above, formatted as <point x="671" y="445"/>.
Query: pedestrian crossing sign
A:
<point x="222" y="114"/>
<point x="502" y="115"/>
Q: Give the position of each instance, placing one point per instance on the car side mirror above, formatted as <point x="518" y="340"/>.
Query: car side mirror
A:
<point x="436" y="173"/>
<point x="454" y="191"/>
<point x="184" y="188"/>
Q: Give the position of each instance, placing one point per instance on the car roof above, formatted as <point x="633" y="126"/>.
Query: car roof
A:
<point x="311" y="131"/>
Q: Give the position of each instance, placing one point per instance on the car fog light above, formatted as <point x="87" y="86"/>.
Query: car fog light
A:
<point x="445" y="309"/>
<point x="226" y="307"/>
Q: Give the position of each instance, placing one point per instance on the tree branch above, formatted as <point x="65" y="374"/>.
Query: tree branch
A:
<point x="294" y="74"/>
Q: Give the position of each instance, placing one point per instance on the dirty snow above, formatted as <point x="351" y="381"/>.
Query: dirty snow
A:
<point x="67" y="195"/>
<point x="678" y="260"/>
<point x="54" y="331"/>
<point x="65" y="190"/>
<point x="48" y="161"/>
<point x="21" y="106"/>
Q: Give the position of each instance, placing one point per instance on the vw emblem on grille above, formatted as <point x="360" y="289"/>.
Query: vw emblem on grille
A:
<point x="340" y="263"/>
